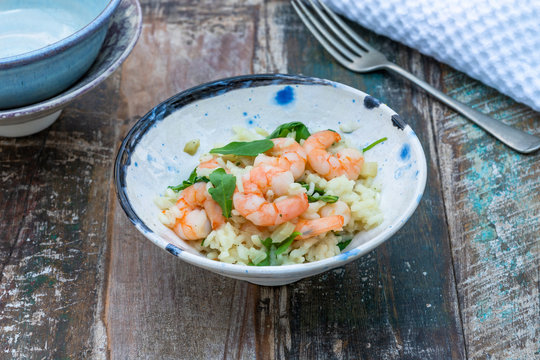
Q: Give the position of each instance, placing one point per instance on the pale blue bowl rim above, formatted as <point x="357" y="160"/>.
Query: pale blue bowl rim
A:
<point x="64" y="98"/>
<point x="61" y="45"/>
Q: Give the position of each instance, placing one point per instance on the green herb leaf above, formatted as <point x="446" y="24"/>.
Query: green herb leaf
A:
<point x="374" y="143"/>
<point x="318" y="195"/>
<point x="267" y="242"/>
<point x="283" y="130"/>
<point x="317" y="189"/>
<point x="180" y="187"/>
<point x="272" y="256"/>
<point x="342" y="245"/>
<point x="284" y="245"/>
<point x="326" y="198"/>
<point x="192" y="179"/>
<point x="223" y="190"/>
<point x="329" y="198"/>
<point x="270" y="253"/>
<point x="202" y="242"/>
<point x="193" y="175"/>
<point x="241" y="148"/>
<point x="266" y="261"/>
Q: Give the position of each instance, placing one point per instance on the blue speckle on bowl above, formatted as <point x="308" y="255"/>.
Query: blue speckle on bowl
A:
<point x="371" y="102"/>
<point x="405" y="153"/>
<point x="150" y="158"/>
<point x="285" y="96"/>
<point x="399" y="171"/>
<point x="136" y="165"/>
<point x="244" y="113"/>
<point x="348" y="254"/>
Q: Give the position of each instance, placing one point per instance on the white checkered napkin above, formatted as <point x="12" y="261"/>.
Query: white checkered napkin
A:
<point x="494" y="41"/>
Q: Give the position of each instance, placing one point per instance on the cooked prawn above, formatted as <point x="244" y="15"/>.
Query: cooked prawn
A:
<point x="286" y="154"/>
<point x="199" y="213"/>
<point x="253" y="205"/>
<point x="268" y="177"/>
<point x="314" y="227"/>
<point x="209" y="164"/>
<point x="346" y="161"/>
<point x="337" y="208"/>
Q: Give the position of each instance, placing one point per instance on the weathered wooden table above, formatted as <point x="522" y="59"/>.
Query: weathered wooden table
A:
<point x="77" y="280"/>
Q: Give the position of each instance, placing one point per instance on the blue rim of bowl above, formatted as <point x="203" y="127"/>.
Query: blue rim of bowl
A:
<point x="219" y="87"/>
<point x="63" y="44"/>
<point x="69" y="95"/>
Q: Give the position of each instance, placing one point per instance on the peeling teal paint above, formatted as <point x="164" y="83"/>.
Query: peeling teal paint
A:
<point x="484" y="312"/>
<point x="486" y="235"/>
<point x="33" y="283"/>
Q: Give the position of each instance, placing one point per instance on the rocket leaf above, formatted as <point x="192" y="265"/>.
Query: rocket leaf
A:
<point x="223" y="190"/>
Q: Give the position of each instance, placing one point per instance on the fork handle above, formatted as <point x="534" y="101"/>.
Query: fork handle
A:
<point x="512" y="137"/>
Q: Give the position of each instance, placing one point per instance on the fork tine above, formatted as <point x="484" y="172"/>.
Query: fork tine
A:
<point x="353" y="35"/>
<point x="317" y="26"/>
<point x="300" y="9"/>
<point x="341" y="35"/>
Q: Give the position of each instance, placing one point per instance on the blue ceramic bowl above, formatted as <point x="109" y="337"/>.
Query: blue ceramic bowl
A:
<point x="124" y="30"/>
<point x="46" y="46"/>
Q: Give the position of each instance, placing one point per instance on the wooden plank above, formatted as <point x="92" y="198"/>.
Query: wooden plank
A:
<point x="493" y="199"/>
<point x="159" y="306"/>
<point x="399" y="301"/>
<point x="51" y="195"/>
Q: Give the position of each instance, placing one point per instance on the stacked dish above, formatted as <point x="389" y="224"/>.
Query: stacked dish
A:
<point x="52" y="52"/>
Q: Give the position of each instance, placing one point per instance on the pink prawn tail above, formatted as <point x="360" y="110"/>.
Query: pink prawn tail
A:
<point x="314" y="227"/>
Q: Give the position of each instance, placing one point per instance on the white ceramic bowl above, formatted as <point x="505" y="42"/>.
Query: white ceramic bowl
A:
<point x="151" y="156"/>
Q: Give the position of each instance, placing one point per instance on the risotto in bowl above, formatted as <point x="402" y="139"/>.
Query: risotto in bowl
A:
<point x="270" y="178"/>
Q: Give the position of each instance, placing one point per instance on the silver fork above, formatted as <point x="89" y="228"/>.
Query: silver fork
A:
<point x="351" y="51"/>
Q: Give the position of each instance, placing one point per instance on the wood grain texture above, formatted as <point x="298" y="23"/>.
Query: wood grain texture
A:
<point x="52" y="233"/>
<point x="400" y="301"/>
<point x="77" y="280"/>
<point x="159" y="307"/>
<point x="492" y="196"/>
